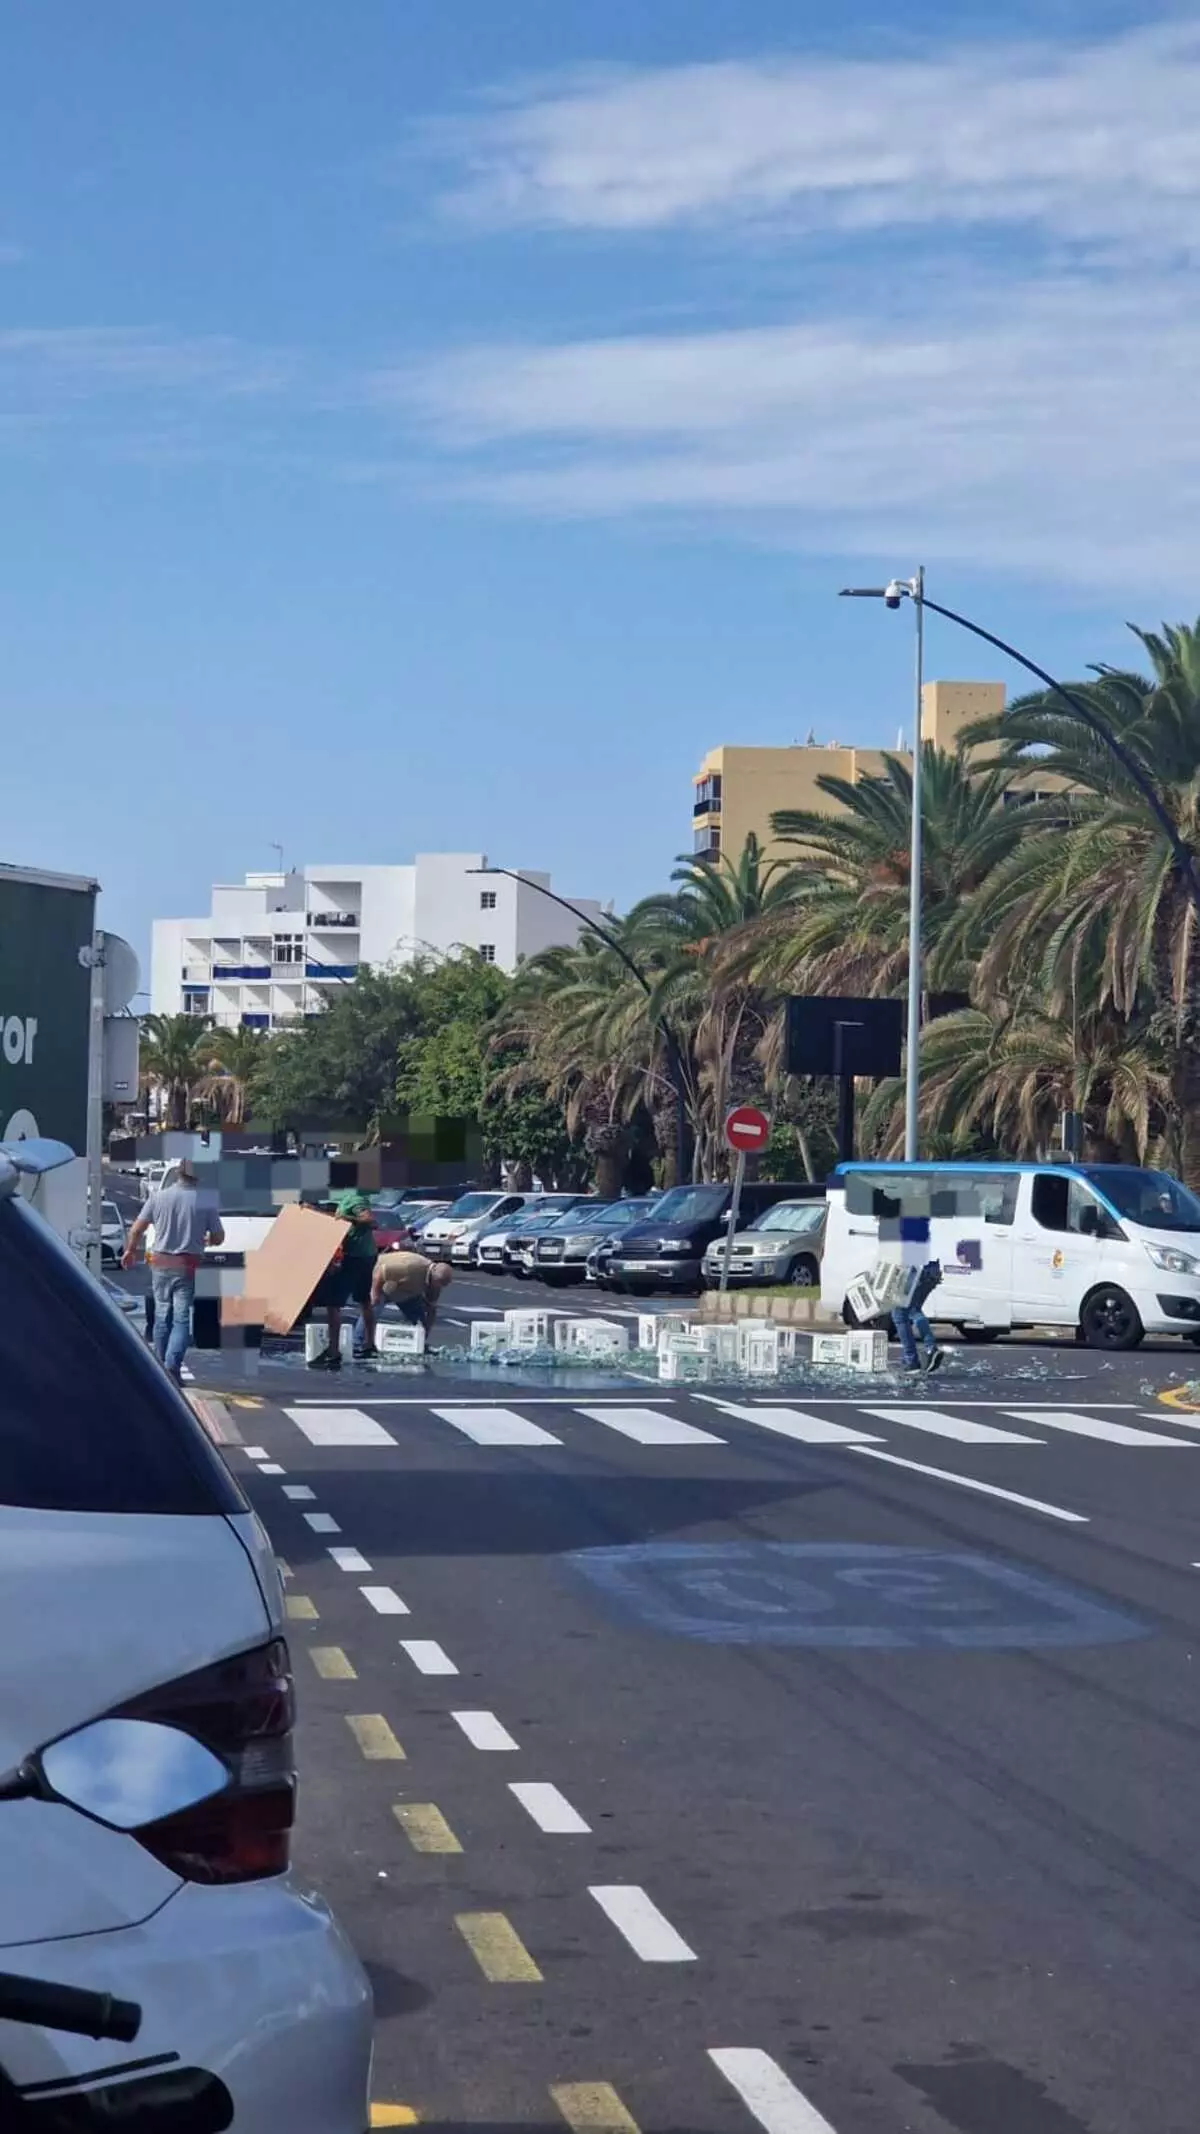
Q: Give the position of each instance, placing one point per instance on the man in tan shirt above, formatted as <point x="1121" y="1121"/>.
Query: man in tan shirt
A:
<point x="412" y="1282"/>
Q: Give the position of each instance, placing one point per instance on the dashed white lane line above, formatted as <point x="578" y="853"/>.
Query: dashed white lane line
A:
<point x="1092" y="1426"/>
<point x="299" y="1492"/>
<point x="322" y="1522"/>
<point x="271" y="1467"/>
<point x="349" y="1559"/>
<point x="550" y="1809"/>
<point x="255" y="1452"/>
<point x="483" y="1730"/>
<point x="428" y="1657"/>
<point x="647" y="1427"/>
<point x="496" y="1426"/>
<point x="637" y="1917"/>
<point x="384" y="1600"/>
<point x="985" y="1489"/>
<point x="767" y="2092"/>
<point x="339" y="1426"/>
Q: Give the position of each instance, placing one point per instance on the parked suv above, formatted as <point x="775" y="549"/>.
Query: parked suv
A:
<point x="783" y="1244"/>
<point x="146" y="1770"/>
<point x="666" y="1251"/>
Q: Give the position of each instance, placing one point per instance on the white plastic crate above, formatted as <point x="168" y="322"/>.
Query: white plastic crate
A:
<point x="861" y="1298"/>
<point x="830" y="1348"/>
<point x="488" y="1336"/>
<point x="316" y="1341"/>
<point x="867" y="1351"/>
<point x="591" y="1337"/>
<point x="761" y="1352"/>
<point x="527" y="1330"/>
<point x="746" y="1330"/>
<point x="891" y="1284"/>
<point x="397" y="1338"/>
<point x="721" y="1342"/>
<point x="653" y="1325"/>
<point x="683" y="1356"/>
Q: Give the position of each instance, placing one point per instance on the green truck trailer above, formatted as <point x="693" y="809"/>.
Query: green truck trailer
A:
<point x="51" y="1034"/>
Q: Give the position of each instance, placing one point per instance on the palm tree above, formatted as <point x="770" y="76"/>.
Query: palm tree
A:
<point x="170" y="1060"/>
<point x="844" y="926"/>
<point x="1005" y="1078"/>
<point x="234" y="1059"/>
<point x="1095" y="883"/>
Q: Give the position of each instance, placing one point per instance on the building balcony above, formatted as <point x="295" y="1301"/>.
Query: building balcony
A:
<point x="706" y="806"/>
<point x="327" y="921"/>
<point x="229" y="973"/>
<point x="330" y="970"/>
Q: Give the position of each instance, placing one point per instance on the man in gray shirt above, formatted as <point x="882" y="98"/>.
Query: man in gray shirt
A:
<point x="184" y="1222"/>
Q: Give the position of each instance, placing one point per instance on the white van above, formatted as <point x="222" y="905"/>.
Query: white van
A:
<point x="1105" y="1249"/>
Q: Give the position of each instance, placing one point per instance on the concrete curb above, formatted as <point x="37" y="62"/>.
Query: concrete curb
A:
<point x="753" y="1304"/>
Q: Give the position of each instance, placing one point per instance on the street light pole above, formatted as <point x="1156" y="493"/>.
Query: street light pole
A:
<point x="896" y="590"/>
<point x="670" y="1043"/>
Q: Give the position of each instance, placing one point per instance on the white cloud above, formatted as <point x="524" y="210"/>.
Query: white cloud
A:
<point x="1084" y="141"/>
<point x="1052" y="426"/>
<point x="46" y="371"/>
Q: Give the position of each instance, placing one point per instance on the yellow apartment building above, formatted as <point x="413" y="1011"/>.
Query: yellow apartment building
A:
<point x="737" y="790"/>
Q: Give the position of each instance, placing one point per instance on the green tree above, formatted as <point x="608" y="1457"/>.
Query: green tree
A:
<point x="339" y="1067"/>
<point x="171" y="1061"/>
<point x="236" y="1061"/>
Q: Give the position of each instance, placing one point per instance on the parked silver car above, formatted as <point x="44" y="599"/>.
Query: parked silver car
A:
<point x="782" y="1245"/>
<point x="560" y="1255"/>
<point x="489" y="1248"/>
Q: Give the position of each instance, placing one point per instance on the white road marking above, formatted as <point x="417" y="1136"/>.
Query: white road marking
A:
<point x="484" y="1731"/>
<point x="638" y="1918"/>
<point x="794" y="1423"/>
<point x="428" y="1657"/>
<point x="528" y="1400"/>
<point x="1093" y="1426"/>
<point x="937" y="1424"/>
<point x="255" y="1452"/>
<point x="384" y="1600"/>
<point x="496" y="1426"/>
<point x="349" y="1560"/>
<point x="646" y="1426"/>
<point x="767" y="2092"/>
<point x="339" y="1426"/>
<point x="985" y="1489"/>
<point x="299" y="1492"/>
<point x="550" y="1809"/>
<point x="322" y="1523"/>
<point x="271" y="1467"/>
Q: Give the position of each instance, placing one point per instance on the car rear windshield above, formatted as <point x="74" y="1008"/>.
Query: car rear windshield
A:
<point x="88" y="1420"/>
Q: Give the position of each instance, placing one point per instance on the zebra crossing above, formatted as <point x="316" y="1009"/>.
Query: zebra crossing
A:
<point x="660" y="1424"/>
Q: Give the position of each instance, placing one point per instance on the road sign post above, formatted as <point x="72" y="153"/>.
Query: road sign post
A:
<point x="746" y="1133"/>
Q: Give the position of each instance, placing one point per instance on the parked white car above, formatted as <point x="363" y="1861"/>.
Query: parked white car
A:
<point x="467" y="1217"/>
<point x="112" y="1231"/>
<point x="146" y="1767"/>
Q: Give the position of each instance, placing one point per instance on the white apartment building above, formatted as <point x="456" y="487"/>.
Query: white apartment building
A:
<point x="277" y="945"/>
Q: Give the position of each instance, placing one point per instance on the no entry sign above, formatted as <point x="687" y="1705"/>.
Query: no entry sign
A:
<point x="746" y="1130"/>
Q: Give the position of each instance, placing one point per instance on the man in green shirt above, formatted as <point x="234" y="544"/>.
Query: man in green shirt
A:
<point x="348" y="1281"/>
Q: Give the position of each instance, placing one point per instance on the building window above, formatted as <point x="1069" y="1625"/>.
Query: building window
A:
<point x="487" y="900"/>
<point x="195" y="1003"/>
<point x="708" y="795"/>
<point x="289" y="948"/>
<point x="706" y="844"/>
<point x="487" y="950"/>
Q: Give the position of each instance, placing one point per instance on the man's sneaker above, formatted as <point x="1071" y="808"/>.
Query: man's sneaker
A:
<point x="324" y="1362"/>
<point x="365" y="1354"/>
<point x="936" y="1359"/>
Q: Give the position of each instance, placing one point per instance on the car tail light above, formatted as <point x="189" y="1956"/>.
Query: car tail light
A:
<point x="242" y="1709"/>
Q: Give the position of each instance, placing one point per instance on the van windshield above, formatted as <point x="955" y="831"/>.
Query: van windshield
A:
<point x="690" y="1204"/>
<point x="475" y="1203"/>
<point x="1152" y="1198"/>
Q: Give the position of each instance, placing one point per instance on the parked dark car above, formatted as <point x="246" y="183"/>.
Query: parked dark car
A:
<point x="666" y="1251"/>
<point x="521" y="1246"/>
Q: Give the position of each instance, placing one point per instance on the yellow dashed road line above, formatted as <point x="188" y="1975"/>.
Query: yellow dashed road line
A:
<point x="331" y="1663"/>
<point x="497" y="1948"/>
<point x="393" y="2115"/>
<point x="592" y="2108"/>
<point x="299" y="1609"/>
<point x="375" y="1738"/>
<point x="425" y="1827"/>
<point x="244" y="1400"/>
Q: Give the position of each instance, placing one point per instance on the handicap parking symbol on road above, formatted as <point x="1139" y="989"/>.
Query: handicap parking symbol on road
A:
<point x="846" y="1594"/>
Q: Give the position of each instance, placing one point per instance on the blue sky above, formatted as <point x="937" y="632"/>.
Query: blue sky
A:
<point x="431" y="427"/>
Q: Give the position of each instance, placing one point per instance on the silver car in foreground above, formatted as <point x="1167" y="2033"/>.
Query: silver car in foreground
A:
<point x="783" y="1245"/>
<point x="147" y="1782"/>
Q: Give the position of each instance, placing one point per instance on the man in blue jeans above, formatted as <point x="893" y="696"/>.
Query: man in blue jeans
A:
<point x="184" y="1222"/>
<point x="911" y="1327"/>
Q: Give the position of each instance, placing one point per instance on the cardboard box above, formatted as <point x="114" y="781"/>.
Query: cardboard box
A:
<point x="281" y="1276"/>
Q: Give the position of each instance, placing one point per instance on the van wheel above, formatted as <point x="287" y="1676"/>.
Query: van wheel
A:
<point x="1110" y="1320"/>
<point x="804" y="1272"/>
<point x="977" y="1335"/>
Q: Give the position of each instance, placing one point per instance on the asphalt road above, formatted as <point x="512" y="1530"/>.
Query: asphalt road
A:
<point x="694" y="1765"/>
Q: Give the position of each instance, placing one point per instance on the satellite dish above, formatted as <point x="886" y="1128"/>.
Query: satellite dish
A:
<point x="121" y="973"/>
